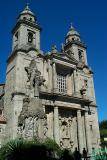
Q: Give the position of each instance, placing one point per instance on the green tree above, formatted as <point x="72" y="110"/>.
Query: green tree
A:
<point x="103" y="124"/>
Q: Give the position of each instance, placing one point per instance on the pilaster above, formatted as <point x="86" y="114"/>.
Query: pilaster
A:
<point x="80" y="131"/>
<point x="54" y="78"/>
<point x="56" y="125"/>
<point x="76" y="84"/>
<point x="88" y="137"/>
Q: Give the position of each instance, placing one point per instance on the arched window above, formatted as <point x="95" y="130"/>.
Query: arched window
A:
<point x="30" y="37"/>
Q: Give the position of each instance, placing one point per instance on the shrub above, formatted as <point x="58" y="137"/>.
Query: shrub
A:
<point x="27" y="150"/>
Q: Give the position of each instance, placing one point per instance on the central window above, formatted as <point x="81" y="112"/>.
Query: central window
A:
<point x="61" y="83"/>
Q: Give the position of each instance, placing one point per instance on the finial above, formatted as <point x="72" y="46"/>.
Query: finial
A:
<point x="62" y="47"/>
<point x="27" y="5"/>
<point x="54" y="49"/>
<point x="71" y="26"/>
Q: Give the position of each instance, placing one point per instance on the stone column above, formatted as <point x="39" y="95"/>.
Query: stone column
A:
<point x="76" y="84"/>
<point x="40" y="128"/>
<point x="80" y="131"/>
<point x="88" y="137"/>
<point x="54" y="78"/>
<point x="50" y="76"/>
<point x="56" y="125"/>
<point x="50" y="124"/>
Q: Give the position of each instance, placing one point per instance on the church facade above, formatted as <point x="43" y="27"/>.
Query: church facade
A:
<point x="48" y="95"/>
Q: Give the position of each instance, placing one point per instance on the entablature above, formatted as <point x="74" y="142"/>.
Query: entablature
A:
<point x="64" y="57"/>
<point x="64" y="98"/>
<point x="67" y="64"/>
<point x="61" y="104"/>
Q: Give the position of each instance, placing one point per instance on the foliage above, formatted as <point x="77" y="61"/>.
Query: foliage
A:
<point x="67" y="155"/>
<point x="103" y="124"/>
<point x="53" y="146"/>
<point x="10" y="148"/>
<point x="103" y="132"/>
<point x="99" y="154"/>
<point x="22" y="149"/>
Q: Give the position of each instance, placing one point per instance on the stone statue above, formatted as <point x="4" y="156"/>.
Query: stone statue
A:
<point x="84" y="89"/>
<point x="34" y="77"/>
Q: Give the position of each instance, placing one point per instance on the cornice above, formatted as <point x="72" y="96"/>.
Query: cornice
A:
<point x="31" y="24"/>
<point x="21" y="49"/>
<point x="81" y="44"/>
<point x="65" y="98"/>
<point x="60" y="57"/>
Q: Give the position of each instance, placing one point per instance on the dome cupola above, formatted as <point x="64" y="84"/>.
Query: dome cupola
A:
<point x="27" y="15"/>
<point x="72" y="35"/>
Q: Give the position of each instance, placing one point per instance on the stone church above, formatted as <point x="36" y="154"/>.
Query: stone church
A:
<point x="48" y="94"/>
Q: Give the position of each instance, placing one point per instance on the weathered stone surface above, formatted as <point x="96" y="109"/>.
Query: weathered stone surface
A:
<point x="31" y="108"/>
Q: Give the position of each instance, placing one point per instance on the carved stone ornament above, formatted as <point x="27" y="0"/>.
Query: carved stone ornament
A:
<point x="65" y="132"/>
<point x="31" y="108"/>
<point x="86" y="70"/>
<point x="83" y="91"/>
<point x="34" y="77"/>
<point x="32" y="122"/>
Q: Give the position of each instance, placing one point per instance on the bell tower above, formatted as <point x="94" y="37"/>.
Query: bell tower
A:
<point x="74" y="46"/>
<point x="25" y="47"/>
<point x="26" y="33"/>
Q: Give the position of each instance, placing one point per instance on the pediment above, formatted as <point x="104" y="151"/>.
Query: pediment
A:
<point x="67" y="57"/>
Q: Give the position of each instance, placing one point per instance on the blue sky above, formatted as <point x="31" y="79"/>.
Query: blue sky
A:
<point x="88" y="16"/>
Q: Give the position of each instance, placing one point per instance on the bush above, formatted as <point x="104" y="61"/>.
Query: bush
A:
<point x="52" y="146"/>
<point x="27" y="150"/>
